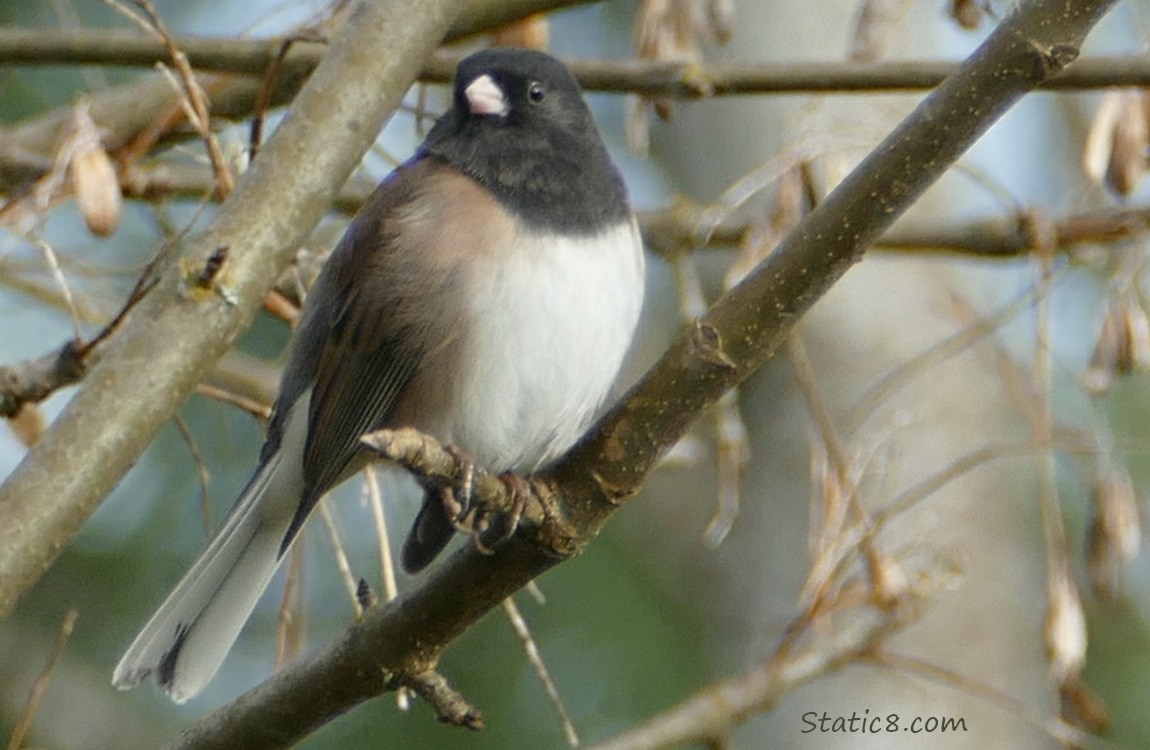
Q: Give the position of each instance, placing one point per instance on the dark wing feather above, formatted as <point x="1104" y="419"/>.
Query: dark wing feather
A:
<point x="360" y="343"/>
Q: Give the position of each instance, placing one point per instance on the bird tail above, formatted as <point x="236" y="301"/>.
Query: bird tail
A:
<point x="429" y="535"/>
<point x="186" y="640"/>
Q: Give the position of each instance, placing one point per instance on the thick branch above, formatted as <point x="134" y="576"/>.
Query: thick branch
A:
<point x="726" y="345"/>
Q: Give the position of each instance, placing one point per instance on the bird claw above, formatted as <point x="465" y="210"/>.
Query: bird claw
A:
<point x="488" y="529"/>
<point x="505" y="524"/>
<point x="457" y="498"/>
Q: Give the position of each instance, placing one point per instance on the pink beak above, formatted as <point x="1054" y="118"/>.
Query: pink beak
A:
<point x="484" y="97"/>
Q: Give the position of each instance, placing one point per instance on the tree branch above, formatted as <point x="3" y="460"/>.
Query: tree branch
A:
<point x="120" y="48"/>
<point x="710" y="714"/>
<point x="677" y="227"/>
<point x="666" y="231"/>
<point x="728" y="343"/>
<point x="33" y="380"/>
<point x="125" y="112"/>
<point x="680" y="225"/>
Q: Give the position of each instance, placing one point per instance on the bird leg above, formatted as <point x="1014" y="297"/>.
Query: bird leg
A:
<point x="487" y="528"/>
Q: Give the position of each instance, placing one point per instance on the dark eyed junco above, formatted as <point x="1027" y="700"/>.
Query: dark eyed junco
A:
<point x="485" y="294"/>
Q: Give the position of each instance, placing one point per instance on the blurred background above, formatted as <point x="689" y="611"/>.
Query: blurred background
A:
<point x="922" y="359"/>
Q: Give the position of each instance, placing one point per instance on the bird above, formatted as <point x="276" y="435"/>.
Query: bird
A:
<point x="485" y="294"/>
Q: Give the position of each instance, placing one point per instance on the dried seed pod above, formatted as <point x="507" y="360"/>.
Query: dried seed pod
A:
<point x="532" y="32"/>
<point x="97" y="191"/>
<point x="888" y="579"/>
<point x="871" y="26"/>
<point x="721" y="19"/>
<point x="1115" y="150"/>
<point x="1136" y="335"/>
<point x="28" y="424"/>
<point x="1081" y="707"/>
<point x="1065" y="628"/>
<point x="1096" y="150"/>
<point x="1123" y="346"/>
<point x="1129" y="142"/>
<point x="1114" y="536"/>
<point x="673" y="31"/>
<point x="968" y="13"/>
<point x="1099" y="375"/>
<point x="94" y="180"/>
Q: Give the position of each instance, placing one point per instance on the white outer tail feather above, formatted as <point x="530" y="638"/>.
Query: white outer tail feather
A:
<point x="185" y="642"/>
<point x="213" y="600"/>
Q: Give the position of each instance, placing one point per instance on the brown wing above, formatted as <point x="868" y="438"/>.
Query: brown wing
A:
<point x="366" y="328"/>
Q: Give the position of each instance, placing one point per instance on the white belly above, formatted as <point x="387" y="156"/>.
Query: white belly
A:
<point x="548" y="332"/>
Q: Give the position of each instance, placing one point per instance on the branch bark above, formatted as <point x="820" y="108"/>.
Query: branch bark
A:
<point x="726" y="344"/>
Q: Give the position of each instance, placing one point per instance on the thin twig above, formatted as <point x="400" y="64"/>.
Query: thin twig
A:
<point x="531" y="648"/>
<point x="386" y="561"/>
<point x="1055" y="728"/>
<point x="428" y="459"/>
<point x="844" y="482"/>
<point x="257" y="409"/>
<point x="375" y="502"/>
<point x="62" y="283"/>
<point x="450" y="705"/>
<point x="940" y="352"/>
<point x="114" y="47"/>
<point x="192" y="94"/>
<point x="267" y="86"/>
<point x="202" y="473"/>
<point x="350" y="582"/>
<point x="291" y="622"/>
<point x="675" y="228"/>
<point x="713" y="711"/>
<point x="28" y="714"/>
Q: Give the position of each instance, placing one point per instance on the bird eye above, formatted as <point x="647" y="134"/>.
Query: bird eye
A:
<point x="535" y="92"/>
